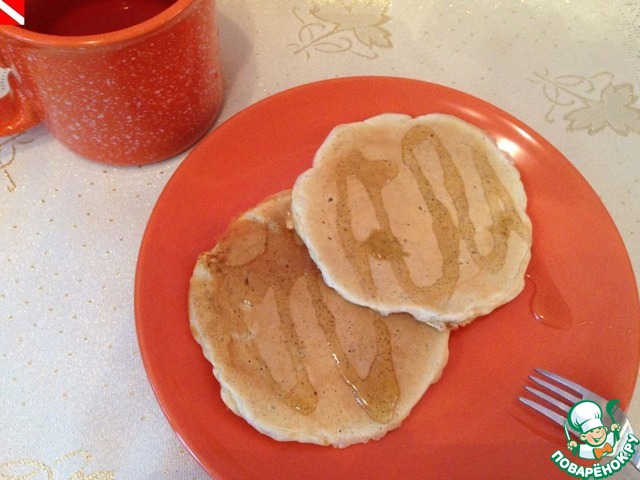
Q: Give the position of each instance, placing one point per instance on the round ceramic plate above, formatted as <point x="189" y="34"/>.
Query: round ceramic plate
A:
<point x="578" y="313"/>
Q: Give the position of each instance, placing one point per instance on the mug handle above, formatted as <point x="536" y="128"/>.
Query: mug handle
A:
<point x="16" y="115"/>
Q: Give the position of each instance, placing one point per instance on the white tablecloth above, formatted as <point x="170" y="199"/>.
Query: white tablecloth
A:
<point x="74" y="397"/>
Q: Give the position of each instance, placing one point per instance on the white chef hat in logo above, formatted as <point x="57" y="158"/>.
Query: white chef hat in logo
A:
<point x="585" y="415"/>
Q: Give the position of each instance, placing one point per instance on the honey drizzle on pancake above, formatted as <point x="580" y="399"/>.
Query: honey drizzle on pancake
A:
<point x="378" y="391"/>
<point x="382" y="244"/>
<point x="241" y="289"/>
<point x="276" y="268"/>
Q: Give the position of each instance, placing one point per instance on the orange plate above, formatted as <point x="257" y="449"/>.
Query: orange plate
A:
<point x="469" y="424"/>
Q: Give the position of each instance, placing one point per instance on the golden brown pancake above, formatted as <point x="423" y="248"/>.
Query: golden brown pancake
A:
<point x="421" y="215"/>
<point x="293" y="358"/>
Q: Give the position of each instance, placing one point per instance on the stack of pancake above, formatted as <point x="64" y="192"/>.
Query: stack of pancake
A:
<point x="326" y="310"/>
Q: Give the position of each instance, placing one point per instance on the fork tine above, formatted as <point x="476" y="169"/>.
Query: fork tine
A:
<point x="564" y="394"/>
<point x="562" y="406"/>
<point x="550" y="414"/>
<point x="563" y="381"/>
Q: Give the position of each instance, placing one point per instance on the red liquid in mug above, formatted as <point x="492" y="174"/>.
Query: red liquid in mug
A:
<point x="89" y="17"/>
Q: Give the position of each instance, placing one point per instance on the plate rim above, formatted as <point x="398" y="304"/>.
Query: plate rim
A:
<point x="263" y="103"/>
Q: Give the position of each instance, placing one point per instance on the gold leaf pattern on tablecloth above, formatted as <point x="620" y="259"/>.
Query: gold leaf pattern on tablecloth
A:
<point x="8" y="151"/>
<point x="591" y="104"/>
<point x="28" y="469"/>
<point x="338" y="26"/>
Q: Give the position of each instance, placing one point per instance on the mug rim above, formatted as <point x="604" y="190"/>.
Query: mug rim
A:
<point x="117" y="36"/>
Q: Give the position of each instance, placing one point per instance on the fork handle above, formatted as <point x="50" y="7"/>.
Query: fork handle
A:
<point x="628" y="473"/>
<point x="635" y="460"/>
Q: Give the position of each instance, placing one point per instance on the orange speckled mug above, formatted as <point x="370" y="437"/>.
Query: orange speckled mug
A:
<point x="123" y="82"/>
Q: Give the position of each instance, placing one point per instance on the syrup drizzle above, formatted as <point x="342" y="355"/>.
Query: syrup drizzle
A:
<point x="547" y="304"/>
<point x="278" y="260"/>
<point x="450" y="231"/>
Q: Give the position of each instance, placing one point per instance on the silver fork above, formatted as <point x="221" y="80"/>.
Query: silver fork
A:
<point x="573" y="393"/>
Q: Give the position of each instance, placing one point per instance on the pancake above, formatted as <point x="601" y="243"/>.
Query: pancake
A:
<point x="293" y="358"/>
<point x="421" y="215"/>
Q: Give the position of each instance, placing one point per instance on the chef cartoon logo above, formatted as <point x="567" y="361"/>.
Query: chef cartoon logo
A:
<point x="596" y="442"/>
<point x="585" y="417"/>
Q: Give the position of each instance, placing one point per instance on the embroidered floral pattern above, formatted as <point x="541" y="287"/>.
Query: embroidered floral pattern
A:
<point x="336" y="26"/>
<point x="8" y="155"/>
<point x="62" y="468"/>
<point x="591" y="103"/>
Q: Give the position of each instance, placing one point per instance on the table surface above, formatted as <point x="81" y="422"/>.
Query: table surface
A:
<point x="75" y="400"/>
